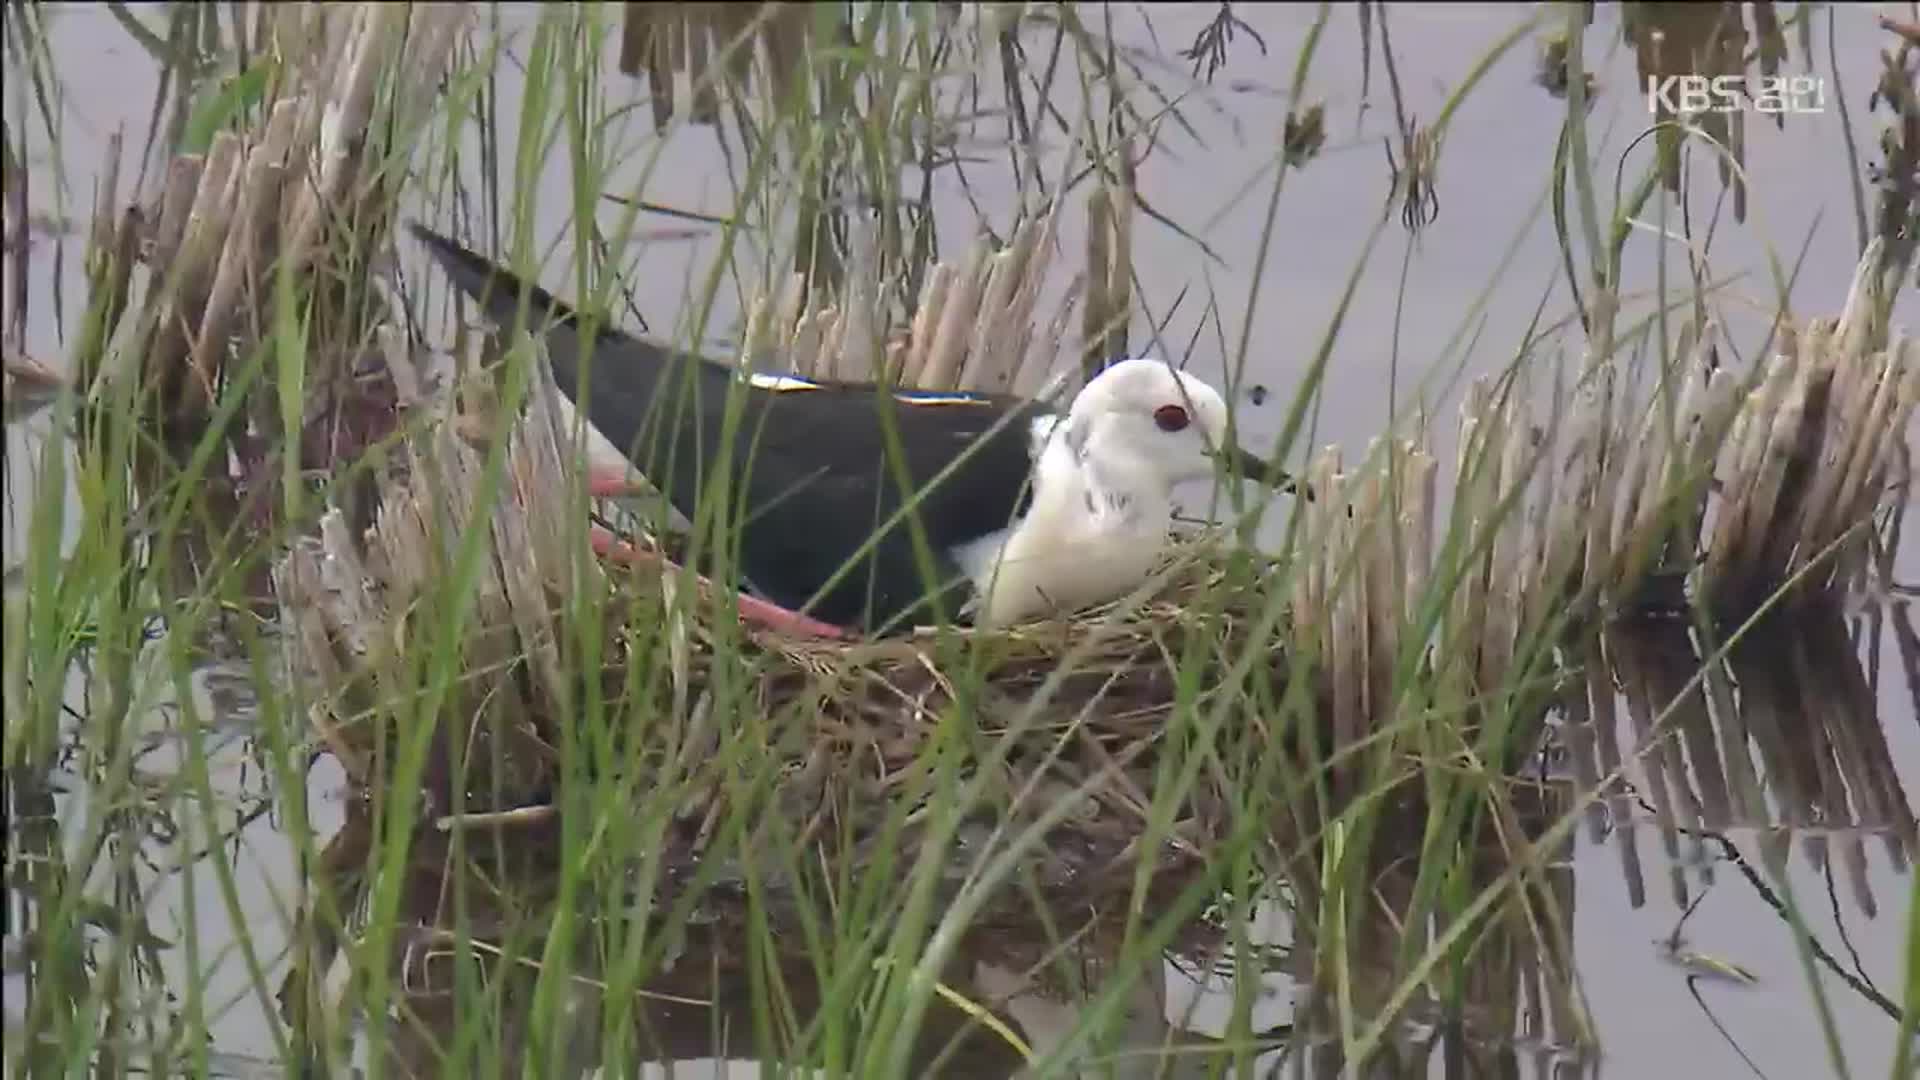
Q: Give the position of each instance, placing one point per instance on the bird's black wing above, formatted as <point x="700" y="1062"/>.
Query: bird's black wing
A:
<point x="815" y="466"/>
<point x="823" y="476"/>
<point x="498" y="290"/>
<point x="629" y="386"/>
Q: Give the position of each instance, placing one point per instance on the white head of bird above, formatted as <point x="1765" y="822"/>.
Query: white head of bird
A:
<point x="1103" y="493"/>
<point x="1140" y="424"/>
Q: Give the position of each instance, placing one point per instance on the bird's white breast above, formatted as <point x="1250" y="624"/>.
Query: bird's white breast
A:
<point x="1080" y="543"/>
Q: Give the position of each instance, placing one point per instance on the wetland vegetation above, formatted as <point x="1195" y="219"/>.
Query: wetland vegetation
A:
<point x="1577" y="735"/>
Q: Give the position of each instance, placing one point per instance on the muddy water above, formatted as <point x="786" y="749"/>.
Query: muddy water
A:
<point x="1822" y="797"/>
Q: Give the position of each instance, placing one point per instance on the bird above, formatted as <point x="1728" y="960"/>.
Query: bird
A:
<point x="866" y="508"/>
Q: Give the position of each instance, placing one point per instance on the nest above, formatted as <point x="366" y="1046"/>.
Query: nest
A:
<point x="838" y="739"/>
<point x="1066" y="718"/>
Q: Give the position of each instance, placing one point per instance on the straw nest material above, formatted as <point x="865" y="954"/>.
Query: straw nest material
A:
<point x="1070" y="709"/>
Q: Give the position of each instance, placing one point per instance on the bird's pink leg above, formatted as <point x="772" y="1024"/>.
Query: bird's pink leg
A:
<point x="617" y="481"/>
<point x="752" y="609"/>
<point x="605" y="482"/>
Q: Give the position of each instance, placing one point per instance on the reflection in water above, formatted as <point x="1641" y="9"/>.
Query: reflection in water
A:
<point x="1788" y="702"/>
<point x="1780" y="737"/>
<point x="702" y="1007"/>
<point x="147" y="928"/>
<point x="1028" y="995"/>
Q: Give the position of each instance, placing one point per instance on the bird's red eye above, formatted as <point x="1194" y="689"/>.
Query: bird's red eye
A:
<point x="1170" y="418"/>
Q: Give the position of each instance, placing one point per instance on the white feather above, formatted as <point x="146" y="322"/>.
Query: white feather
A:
<point x="1082" y="542"/>
<point x="777" y="383"/>
<point x="1102" y="509"/>
<point x="766" y="380"/>
<point x="605" y="459"/>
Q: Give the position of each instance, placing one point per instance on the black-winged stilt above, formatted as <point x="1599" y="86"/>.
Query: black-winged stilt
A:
<point x="1024" y="510"/>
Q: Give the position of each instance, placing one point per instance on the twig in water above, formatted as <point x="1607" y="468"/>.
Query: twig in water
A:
<point x="1840" y="925"/>
<point x="1672" y="947"/>
<point x="1732" y="854"/>
<point x="675" y="212"/>
<point x="519" y="815"/>
<point x="1693" y="987"/>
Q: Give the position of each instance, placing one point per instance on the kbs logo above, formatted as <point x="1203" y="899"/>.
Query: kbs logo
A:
<point x="1772" y="95"/>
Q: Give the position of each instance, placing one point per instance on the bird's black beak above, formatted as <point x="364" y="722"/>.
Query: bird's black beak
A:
<point x="1253" y="467"/>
